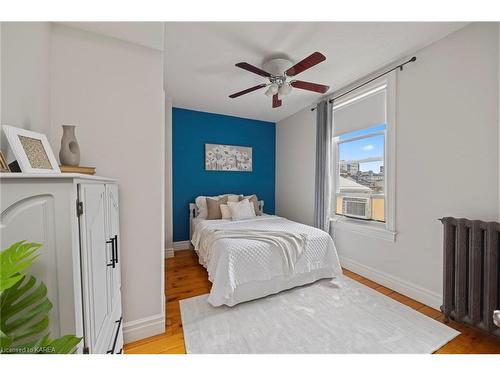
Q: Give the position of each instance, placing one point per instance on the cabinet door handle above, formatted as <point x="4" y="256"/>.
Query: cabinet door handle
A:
<point x="115" y="247"/>
<point x="112" y="350"/>
<point x="112" y="242"/>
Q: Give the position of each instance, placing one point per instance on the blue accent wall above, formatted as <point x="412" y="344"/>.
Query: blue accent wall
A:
<point x="190" y="131"/>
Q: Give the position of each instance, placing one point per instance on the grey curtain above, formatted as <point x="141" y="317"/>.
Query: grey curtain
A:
<point x="323" y="181"/>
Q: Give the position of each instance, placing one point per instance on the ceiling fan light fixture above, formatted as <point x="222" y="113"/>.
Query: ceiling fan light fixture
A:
<point x="272" y="89"/>
<point x="277" y="72"/>
<point x="284" y="90"/>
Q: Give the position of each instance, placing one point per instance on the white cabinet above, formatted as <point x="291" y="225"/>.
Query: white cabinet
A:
<point x="113" y="236"/>
<point x="76" y="218"/>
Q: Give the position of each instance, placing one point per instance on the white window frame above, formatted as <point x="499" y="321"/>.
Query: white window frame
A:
<point x="380" y="230"/>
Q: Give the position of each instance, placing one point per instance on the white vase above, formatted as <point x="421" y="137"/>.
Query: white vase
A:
<point x="70" y="150"/>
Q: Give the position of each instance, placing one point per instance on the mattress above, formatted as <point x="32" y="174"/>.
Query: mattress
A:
<point x="244" y="269"/>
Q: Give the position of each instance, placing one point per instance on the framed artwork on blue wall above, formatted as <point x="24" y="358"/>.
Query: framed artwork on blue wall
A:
<point x="228" y="158"/>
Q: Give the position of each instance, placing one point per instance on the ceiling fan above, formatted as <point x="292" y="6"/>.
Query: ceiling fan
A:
<point x="278" y="71"/>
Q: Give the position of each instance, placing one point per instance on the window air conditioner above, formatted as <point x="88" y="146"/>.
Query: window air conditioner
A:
<point x="359" y="208"/>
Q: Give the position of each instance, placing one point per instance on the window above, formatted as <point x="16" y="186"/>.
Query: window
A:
<point x="360" y="187"/>
<point x="363" y="159"/>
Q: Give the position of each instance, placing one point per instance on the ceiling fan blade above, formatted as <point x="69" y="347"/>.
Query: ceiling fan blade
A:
<point x="307" y="63"/>
<point x="316" y="87"/>
<point x="235" y="95"/>
<point x="253" y="69"/>
<point x="276" y="101"/>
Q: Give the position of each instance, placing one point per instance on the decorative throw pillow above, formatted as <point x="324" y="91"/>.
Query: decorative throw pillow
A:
<point x="234" y="197"/>
<point x="255" y="201"/>
<point x="201" y="203"/>
<point x="213" y="208"/>
<point x="225" y="211"/>
<point x="241" y="210"/>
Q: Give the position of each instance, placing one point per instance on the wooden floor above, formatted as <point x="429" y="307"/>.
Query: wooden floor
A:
<point x="185" y="278"/>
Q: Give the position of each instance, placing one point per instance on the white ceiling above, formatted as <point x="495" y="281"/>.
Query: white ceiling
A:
<point x="200" y="58"/>
<point x="148" y="34"/>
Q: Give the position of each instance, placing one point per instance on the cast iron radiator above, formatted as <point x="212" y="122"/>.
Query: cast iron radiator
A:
<point x="471" y="290"/>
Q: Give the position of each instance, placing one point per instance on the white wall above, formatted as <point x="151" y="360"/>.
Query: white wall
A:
<point x="295" y="163"/>
<point x="25" y="77"/>
<point x="168" y="178"/>
<point x="447" y="161"/>
<point x="1" y="75"/>
<point x="112" y="90"/>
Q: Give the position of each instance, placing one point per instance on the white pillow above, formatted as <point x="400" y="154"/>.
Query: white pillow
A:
<point x="201" y="203"/>
<point x="241" y="210"/>
<point x="225" y="211"/>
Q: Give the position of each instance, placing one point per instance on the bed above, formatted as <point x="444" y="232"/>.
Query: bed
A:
<point x="247" y="267"/>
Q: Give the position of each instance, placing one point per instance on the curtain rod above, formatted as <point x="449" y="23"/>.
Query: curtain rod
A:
<point x="400" y="67"/>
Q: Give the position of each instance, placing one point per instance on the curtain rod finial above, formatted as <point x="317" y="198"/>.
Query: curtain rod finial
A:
<point x="414" y="58"/>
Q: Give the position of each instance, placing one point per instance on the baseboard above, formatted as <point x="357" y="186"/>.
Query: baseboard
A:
<point x="142" y="328"/>
<point x="182" y="245"/>
<point x="425" y="296"/>
<point x="169" y="253"/>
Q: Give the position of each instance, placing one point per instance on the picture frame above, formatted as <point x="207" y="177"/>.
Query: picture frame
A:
<point x="31" y="150"/>
<point x="228" y="158"/>
<point x="4" y="166"/>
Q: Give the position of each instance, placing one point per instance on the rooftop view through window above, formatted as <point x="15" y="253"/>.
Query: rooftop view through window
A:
<point x="361" y="178"/>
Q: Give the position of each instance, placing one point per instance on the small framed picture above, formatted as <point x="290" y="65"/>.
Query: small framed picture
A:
<point x="4" y="166"/>
<point x="32" y="150"/>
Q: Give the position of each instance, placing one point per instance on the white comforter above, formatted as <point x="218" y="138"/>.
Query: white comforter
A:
<point x="243" y="267"/>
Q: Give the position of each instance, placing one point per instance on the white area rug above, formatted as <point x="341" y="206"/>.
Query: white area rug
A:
<point x="340" y="316"/>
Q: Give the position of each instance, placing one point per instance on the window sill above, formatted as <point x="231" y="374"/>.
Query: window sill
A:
<point x="365" y="228"/>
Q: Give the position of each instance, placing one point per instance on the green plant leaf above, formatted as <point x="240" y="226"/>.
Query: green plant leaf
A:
<point x="23" y="298"/>
<point x="12" y="294"/>
<point x="14" y="260"/>
<point x="24" y="310"/>
<point x="24" y="306"/>
<point x="5" y="341"/>
<point x="65" y="345"/>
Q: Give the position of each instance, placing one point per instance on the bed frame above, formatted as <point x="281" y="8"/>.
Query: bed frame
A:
<point x="193" y="213"/>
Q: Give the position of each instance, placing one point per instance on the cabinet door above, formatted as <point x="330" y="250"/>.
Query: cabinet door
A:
<point x="96" y="267"/>
<point x="32" y="218"/>
<point x="113" y="234"/>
